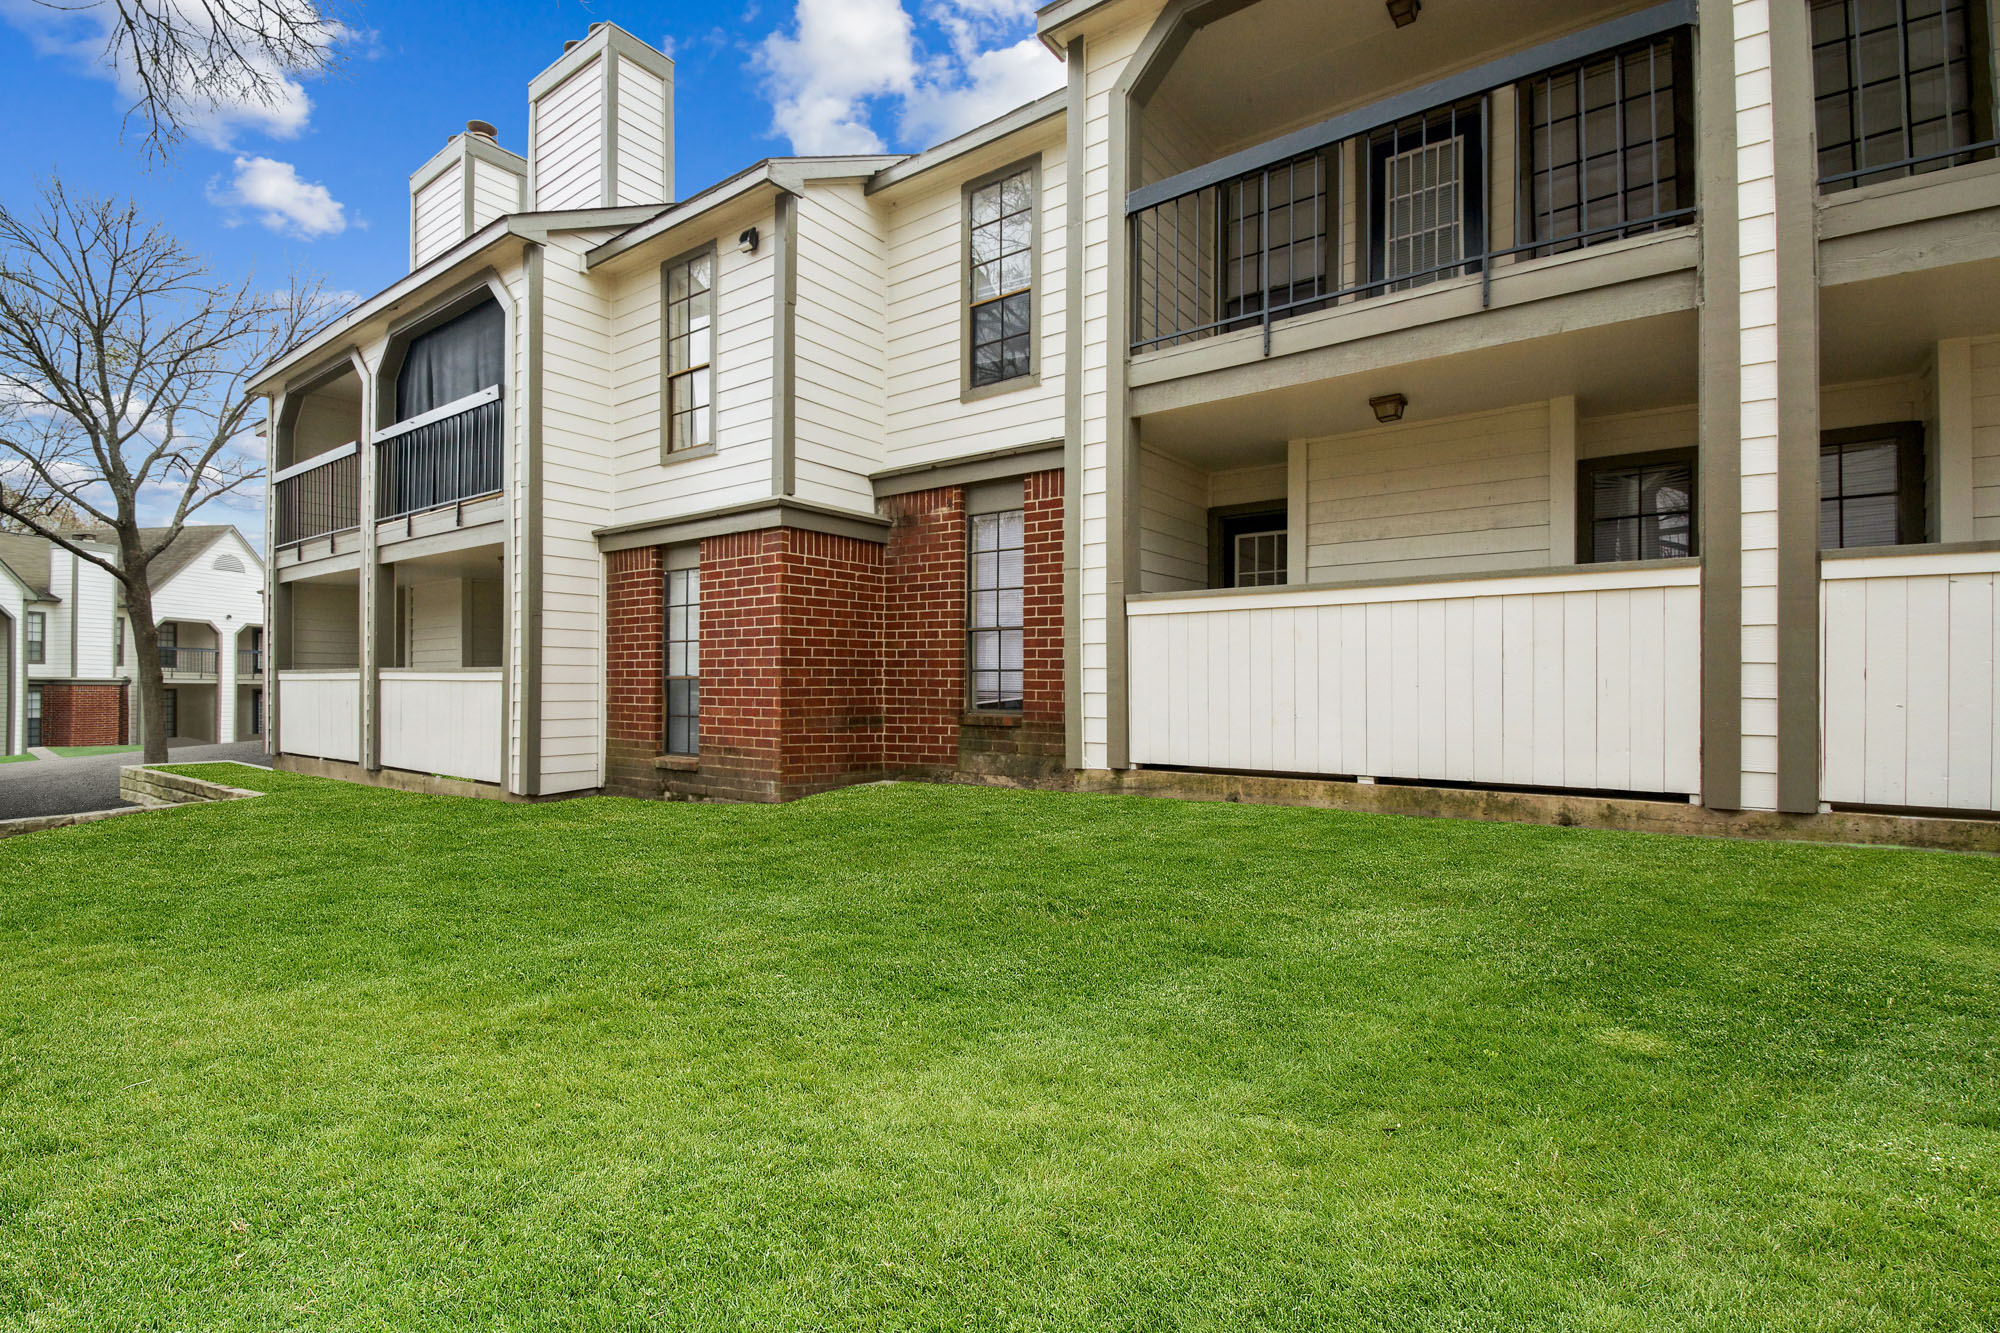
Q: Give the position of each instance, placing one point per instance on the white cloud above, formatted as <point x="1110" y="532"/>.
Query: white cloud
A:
<point x="273" y="191"/>
<point x="842" y="58"/>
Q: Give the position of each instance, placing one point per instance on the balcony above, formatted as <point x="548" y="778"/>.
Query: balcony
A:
<point x="1575" y="144"/>
<point x="443" y="457"/>
<point x="188" y="664"/>
<point x="249" y="663"/>
<point x="318" y="498"/>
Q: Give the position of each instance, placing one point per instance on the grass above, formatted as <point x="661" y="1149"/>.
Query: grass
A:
<point x="17" y="758"/>
<point x="938" y="1058"/>
<point x="86" y="751"/>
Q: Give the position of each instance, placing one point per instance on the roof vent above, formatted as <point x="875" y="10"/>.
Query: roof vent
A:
<point x="481" y="129"/>
<point x="572" y="44"/>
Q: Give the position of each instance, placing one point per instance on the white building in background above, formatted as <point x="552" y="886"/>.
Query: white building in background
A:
<point x="1552" y="398"/>
<point x="66" y="651"/>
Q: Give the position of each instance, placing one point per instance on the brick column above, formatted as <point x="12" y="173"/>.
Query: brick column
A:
<point x="634" y="666"/>
<point x="923" y="647"/>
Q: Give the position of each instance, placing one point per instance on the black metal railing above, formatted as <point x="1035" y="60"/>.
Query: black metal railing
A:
<point x="249" y="661"/>
<point x="440" y="458"/>
<point x="1898" y="89"/>
<point x="1602" y="150"/>
<point x="320" y="499"/>
<point x="188" y="661"/>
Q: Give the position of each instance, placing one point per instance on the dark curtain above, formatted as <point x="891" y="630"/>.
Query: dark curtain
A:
<point x="453" y="360"/>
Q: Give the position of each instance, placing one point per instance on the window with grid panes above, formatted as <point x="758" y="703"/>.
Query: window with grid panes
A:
<point x="38" y="637"/>
<point x="1898" y="84"/>
<point x="1260" y="559"/>
<point x="34" y="715"/>
<point x="1002" y="240"/>
<point x="1424" y="185"/>
<point x="1641" y="512"/>
<point x="1871" y="487"/>
<point x="683" y="661"/>
<point x="1602" y="146"/>
<point x="995" y="579"/>
<point x="1296" y="242"/>
<point x="690" y="351"/>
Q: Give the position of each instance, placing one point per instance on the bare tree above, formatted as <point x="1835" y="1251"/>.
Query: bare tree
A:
<point x="190" y="58"/>
<point x="123" y="369"/>
<point x="48" y="509"/>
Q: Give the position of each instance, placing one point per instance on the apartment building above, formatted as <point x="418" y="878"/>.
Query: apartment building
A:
<point x="1594" y="397"/>
<point x="67" y="664"/>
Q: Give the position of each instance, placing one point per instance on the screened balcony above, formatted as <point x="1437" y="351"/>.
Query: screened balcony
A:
<point x="1901" y="88"/>
<point x="1572" y="144"/>
<point x="447" y="444"/>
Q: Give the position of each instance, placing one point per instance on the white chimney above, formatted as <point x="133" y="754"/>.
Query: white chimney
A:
<point x="471" y="181"/>
<point x="601" y="125"/>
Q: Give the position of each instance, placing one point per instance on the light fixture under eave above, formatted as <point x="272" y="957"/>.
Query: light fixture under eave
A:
<point x="747" y="242"/>
<point x="1405" y="12"/>
<point x="1389" y="407"/>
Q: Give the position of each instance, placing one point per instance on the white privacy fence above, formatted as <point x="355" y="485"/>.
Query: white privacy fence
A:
<point x="1907" y="681"/>
<point x="320" y="714"/>
<point x="1584" y="678"/>
<point x="447" y="723"/>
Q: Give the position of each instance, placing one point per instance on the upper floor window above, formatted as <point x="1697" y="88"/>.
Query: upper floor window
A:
<point x="1427" y="181"/>
<point x="38" y="637"/>
<point x="1871" y="486"/>
<point x="1278" y="250"/>
<point x="690" y="353"/>
<point x="1001" y="260"/>
<point x="1638" y="508"/>
<point x="1898" y="88"/>
<point x="997" y="628"/>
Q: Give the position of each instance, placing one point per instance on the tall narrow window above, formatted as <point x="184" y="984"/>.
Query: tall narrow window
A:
<point x="1425" y="182"/>
<point x="1871" y="487"/>
<point x="1602" y="145"/>
<point x="1900" y="85"/>
<point x="1291" y="238"/>
<point x="34" y="716"/>
<point x="118" y="633"/>
<point x="1000" y="217"/>
<point x="684" y="661"/>
<point x="171" y="711"/>
<point x="38" y="637"/>
<point x="996" y="620"/>
<point x="1639" y="509"/>
<point x="690" y="351"/>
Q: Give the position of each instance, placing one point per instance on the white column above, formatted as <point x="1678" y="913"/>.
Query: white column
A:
<point x="225" y="689"/>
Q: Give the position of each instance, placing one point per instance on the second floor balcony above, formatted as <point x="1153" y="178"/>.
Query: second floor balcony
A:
<point x="441" y="457"/>
<point x="1572" y="144"/>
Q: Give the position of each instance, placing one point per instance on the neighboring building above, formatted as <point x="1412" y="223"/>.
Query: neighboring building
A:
<point x="1596" y="397"/>
<point x="66" y="653"/>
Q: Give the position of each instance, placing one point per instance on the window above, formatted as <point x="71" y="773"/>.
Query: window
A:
<point x="996" y="579"/>
<point x="1000" y="257"/>
<point x="171" y="699"/>
<point x="1426" y="180"/>
<point x="1249" y="547"/>
<point x="690" y="353"/>
<point x="228" y="564"/>
<point x="118" y="636"/>
<point x="1871" y="486"/>
<point x="684" y="661"/>
<point x="1638" y="508"/>
<point x="1897" y="86"/>
<point x="34" y="717"/>
<point x="1298" y="241"/>
<point x="1601" y="143"/>
<point x="38" y="637"/>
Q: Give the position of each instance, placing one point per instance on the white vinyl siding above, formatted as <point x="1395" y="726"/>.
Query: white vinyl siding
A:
<point x="569" y="145"/>
<point x="842" y="372"/>
<point x="1173" y="524"/>
<point x="1430" y="499"/>
<point x="642" y="150"/>
<point x="439" y="222"/>
<point x="326" y="629"/>
<point x="927" y="421"/>
<point x="496" y="192"/>
<point x="433" y="625"/>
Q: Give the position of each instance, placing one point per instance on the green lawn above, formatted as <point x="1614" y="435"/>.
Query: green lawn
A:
<point x="85" y="751"/>
<point x="938" y="1058"/>
<point x="17" y="758"/>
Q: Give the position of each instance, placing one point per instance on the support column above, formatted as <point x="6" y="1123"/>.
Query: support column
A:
<point x="225" y="684"/>
<point x="372" y="604"/>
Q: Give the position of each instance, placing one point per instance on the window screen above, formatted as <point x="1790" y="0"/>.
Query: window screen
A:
<point x="683" y="661"/>
<point x="995" y="581"/>
<point x="690" y="297"/>
<point x="1002" y="220"/>
<point x="1643" y="512"/>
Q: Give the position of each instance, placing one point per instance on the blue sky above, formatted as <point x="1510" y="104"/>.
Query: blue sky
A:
<point x="322" y="184"/>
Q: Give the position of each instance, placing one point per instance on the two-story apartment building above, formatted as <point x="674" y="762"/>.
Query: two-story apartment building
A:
<point x="67" y="668"/>
<point x="1584" y="397"/>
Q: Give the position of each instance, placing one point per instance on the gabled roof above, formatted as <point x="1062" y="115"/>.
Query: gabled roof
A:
<point x="26" y="557"/>
<point x="194" y="539"/>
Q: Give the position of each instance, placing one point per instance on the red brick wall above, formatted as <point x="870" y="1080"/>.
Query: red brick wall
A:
<point x="923" y="648"/>
<point x="635" y="649"/>
<point x="84" y="714"/>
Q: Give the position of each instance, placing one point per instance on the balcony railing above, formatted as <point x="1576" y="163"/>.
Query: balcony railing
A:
<point x="1396" y="196"/>
<point x="318" y="497"/>
<point x="454" y="453"/>
<point x="188" y="661"/>
<point x="1899" y="89"/>
<point x="249" y="661"/>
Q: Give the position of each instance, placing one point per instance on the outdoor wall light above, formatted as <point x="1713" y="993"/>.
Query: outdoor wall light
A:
<point x="1389" y="407"/>
<point x="1405" y="12"/>
<point x="747" y="242"/>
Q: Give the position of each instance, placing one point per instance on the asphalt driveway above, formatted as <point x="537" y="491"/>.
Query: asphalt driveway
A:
<point x="76" y="786"/>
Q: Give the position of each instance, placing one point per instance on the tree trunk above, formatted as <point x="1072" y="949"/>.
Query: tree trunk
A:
<point x="152" y="680"/>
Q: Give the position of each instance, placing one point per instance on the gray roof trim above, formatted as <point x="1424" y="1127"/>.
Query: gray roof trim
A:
<point x="603" y="38"/>
<point x="780" y="173"/>
<point x="754" y="516"/>
<point x="461" y="146"/>
<point x="1054" y="106"/>
<point x="1051" y="18"/>
<point x="993" y="465"/>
